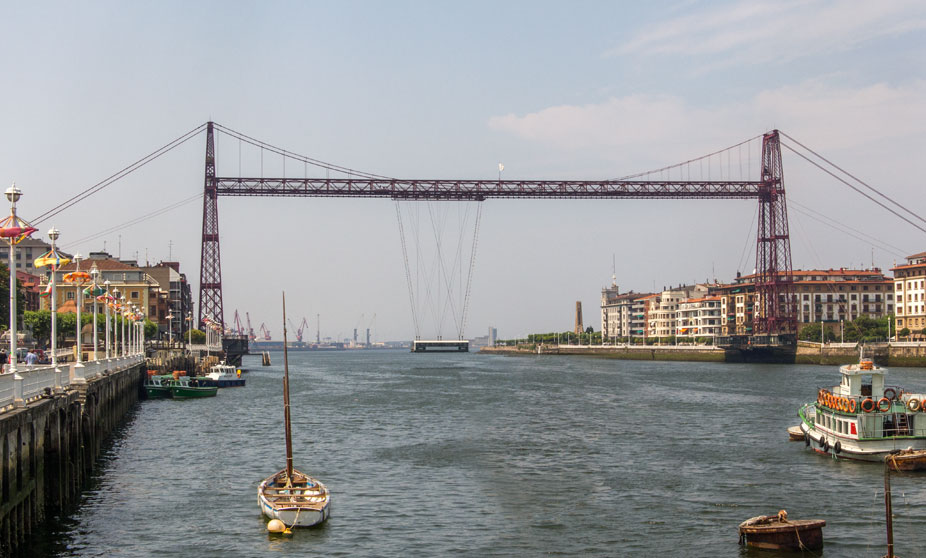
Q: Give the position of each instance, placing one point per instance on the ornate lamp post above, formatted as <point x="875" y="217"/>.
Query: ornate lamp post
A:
<point x="124" y="315"/>
<point x="53" y="260"/>
<point x="170" y="327"/>
<point x="78" y="278"/>
<point x="94" y="292"/>
<point x="13" y="230"/>
<point x="106" y="304"/>
<point x="116" y="308"/>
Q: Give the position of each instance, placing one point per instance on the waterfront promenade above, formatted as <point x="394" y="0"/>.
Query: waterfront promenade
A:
<point x="52" y="425"/>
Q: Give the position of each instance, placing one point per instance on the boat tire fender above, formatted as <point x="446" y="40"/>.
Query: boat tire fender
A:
<point x="822" y="440"/>
<point x="881" y="407"/>
<point x="806" y="439"/>
<point x="913" y="404"/>
<point x="826" y="446"/>
<point x="868" y="405"/>
<point x="837" y="447"/>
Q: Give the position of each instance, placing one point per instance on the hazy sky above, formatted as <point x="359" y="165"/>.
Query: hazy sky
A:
<point x="448" y="90"/>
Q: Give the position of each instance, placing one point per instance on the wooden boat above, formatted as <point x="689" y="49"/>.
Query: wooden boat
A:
<point x="156" y="387"/>
<point x="795" y="434"/>
<point x="906" y="460"/>
<point x="772" y="532"/>
<point x="864" y="419"/>
<point x="223" y="375"/>
<point x="183" y="387"/>
<point x="290" y="496"/>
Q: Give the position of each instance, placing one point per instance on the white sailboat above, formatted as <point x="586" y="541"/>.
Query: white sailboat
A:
<point x="291" y="496"/>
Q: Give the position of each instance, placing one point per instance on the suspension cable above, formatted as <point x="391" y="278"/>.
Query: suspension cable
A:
<point x="305" y="159"/>
<point x="639" y="174"/>
<point x="121" y="174"/>
<point x="853" y="177"/>
<point x="827" y="171"/>
<point x="408" y="277"/>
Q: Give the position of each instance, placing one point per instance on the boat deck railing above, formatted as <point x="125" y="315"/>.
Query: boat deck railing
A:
<point x="841" y="403"/>
<point x="32" y="382"/>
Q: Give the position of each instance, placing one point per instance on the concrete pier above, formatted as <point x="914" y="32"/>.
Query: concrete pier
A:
<point x="50" y="441"/>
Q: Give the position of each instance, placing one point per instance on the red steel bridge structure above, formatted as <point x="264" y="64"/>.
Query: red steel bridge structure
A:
<point x="775" y="320"/>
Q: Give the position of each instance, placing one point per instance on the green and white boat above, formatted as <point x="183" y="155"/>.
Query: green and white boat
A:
<point x="157" y="387"/>
<point x="864" y="419"/>
<point x="186" y="388"/>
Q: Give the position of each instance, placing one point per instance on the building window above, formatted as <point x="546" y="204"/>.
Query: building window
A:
<point x="134" y="294"/>
<point x="69" y="295"/>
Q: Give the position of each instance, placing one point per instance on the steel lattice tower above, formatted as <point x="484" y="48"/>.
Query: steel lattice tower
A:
<point x="210" y="284"/>
<point x="774" y="280"/>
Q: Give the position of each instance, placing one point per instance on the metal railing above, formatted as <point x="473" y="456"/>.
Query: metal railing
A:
<point x="31" y="382"/>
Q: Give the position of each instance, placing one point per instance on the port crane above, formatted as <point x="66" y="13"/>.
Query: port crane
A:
<point x="299" y="329"/>
<point x="265" y="333"/>
<point x="251" y="335"/>
<point x="239" y="329"/>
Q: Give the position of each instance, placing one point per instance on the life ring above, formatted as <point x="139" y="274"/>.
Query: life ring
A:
<point x="837" y="447"/>
<point x="913" y="404"/>
<point x="868" y="405"/>
<point x="852" y="405"/>
<point x="843" y="404"/>
<point x="881" y="407"/>
<point x="893" y="394"/>
<point x="829" y="400"/>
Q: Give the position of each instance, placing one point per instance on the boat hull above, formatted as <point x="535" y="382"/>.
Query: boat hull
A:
<point x="237" y="382"/>
<point x="158" y="392"/>
<point x="849" y="448"/>
<point x="907" y="461"/>
<point x="302" y="503"/>
<point x="804" y="534"/>
<point x="183" y="392"/>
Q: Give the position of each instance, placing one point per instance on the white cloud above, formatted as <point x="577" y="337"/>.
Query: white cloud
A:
<point x="837" y="117"/>
<point x="751" y="32"/>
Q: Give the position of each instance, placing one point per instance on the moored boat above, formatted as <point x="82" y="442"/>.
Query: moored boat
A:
<point x="906" y="460"/>
<point x="290" y="496"/>
<point x="182" y="387"/>
<point x="776" y="532"/>
<point x="223" y="375"/>
<point x="861" y="418"/>
<point x="157" y="387"/>
<point x="795" y="434"/>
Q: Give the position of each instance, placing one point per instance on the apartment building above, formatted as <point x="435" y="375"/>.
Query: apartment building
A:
<point x="622" y="315"/>
<point x="909" y="290"/>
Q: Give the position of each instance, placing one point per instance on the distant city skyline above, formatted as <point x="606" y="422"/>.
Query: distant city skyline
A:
<point x="420" y="90"/>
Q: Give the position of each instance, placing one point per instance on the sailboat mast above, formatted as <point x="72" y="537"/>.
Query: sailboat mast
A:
<point x="289" y="435"/>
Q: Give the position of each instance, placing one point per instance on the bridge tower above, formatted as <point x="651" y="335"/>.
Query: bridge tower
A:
<point x="210" y="270"/>
<point x="774" y="280"/>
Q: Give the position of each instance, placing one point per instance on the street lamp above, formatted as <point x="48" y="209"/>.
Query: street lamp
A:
<point x="78" y="278"/>
<point x="170" y="328"/>
<point x="94" y="274"/>
<point x="14" y="230"/>
<point x="124" y="314"/>
<point x="53" y="260"/>
<point x="116" y="312"/>
<point x="106" y="300"/>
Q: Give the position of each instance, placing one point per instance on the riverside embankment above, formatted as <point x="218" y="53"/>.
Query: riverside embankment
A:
<point x="885" y="354"/>
<point x="52" y="427"/>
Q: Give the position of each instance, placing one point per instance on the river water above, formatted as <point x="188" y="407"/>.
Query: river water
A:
<point x="477" y="455"/>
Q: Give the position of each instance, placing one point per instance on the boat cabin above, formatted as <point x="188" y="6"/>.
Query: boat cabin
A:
<point x="861" y="380"/>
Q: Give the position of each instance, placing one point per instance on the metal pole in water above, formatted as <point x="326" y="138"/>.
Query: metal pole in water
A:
<point x="887" y="511"/>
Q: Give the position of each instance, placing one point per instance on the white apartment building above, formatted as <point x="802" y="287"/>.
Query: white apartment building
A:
<point x="699" y="317"/>
<point x="622" y="315"/>
<point x="662" y="309"/>
<point x="910" y="295"/>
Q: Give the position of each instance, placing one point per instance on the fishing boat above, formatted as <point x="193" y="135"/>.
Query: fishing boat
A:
<point x="183" y="387"/>
<point x="864" y="419"/>
<point x="776" y="532"/>
<point x="291" y="496"/>
<point x="157" y="387"/>
<point x="906" y="460"/>
<point x="223" y="375"/>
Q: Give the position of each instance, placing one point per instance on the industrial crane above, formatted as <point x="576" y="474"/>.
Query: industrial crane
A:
<point x="264" y="332"/>
<point x="299" y="330"/>
<point x="251" y="335"/>
<point x="239" y="329"/>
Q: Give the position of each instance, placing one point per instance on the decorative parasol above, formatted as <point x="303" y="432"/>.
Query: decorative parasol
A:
<point x="51" y="258"/>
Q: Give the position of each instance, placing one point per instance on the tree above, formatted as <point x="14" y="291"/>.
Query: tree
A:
<point x="199" y="337"/>
<point x="5" y="294"/>
<point x="904" y="332"/>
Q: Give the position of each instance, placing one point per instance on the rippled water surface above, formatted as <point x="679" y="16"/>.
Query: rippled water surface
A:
<point x="476" y="455"/>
